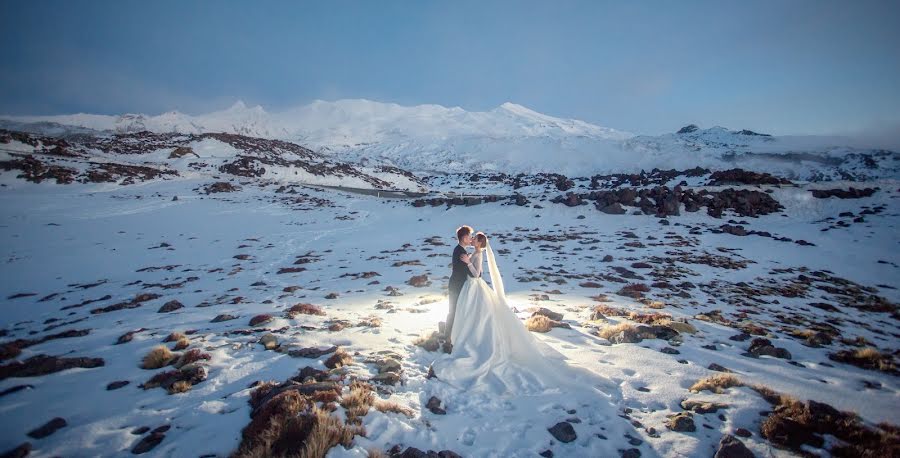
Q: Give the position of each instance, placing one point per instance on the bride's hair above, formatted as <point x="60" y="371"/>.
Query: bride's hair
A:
<point x="481" y="239"/>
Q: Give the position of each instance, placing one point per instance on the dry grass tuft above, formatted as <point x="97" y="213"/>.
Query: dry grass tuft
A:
<point x="610" y="331"/>
<point x="191" y="356"/>
<point x="799" y="426"/>
<point x="182" y="343"/>
<point x="304" y="309"/>
<point x="159" y="356"/>
<point x="180" y="386"/>
<point x="375" y="453"/>
<point x="608" y="310"/>
<point x="649" y="318"/>
<point x="371" y="321"/>
<point x="175" y="337"/>
<point x="357" y="402"/>
<point x="867" y="358"/>
<point x="716" y="383"/>
<point x="390" y="406"/>
<point x="339" y="358"/>
<point x="538" y="323"/>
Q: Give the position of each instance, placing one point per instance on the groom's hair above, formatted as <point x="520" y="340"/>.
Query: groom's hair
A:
<point x="462" y="232"/>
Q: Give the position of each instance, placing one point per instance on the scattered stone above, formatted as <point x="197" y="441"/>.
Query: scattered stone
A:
<point x="311" y="352"/>
<point x="702" y="407"/>
<point x="47" y="428"/>
<point x="681" y="422"/>
<point x="763" y="347"/>
<point x="269" y="341"/>
<point x="149" y="442"/>
<point x="260" y="319"/>
<point x="170" y="306"/>
<point x="434" y="405"/>
<point x="563" y="432"/>
<point x="731" y="447"/>
<point x="116" y="385"/>
<point x="223" y="317"/>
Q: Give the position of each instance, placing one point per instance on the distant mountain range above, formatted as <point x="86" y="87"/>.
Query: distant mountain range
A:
<point x="509" y="138"/>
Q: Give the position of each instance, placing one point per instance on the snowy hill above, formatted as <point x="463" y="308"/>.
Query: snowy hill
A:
<point x="509" y="138"/>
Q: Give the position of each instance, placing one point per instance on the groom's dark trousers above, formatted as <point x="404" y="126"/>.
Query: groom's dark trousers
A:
<point x="457" y="278"/>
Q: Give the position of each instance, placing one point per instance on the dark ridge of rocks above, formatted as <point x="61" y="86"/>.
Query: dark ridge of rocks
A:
<point x="43" y="364"/>
<point x="463" y="201"/>
<point x="412" y="452"/>
<point x="663" y="201"/>
<point x="850" y="193"/>
<point x="108" y="172"/>
<point x="36" y="171"/>
<point x="12" y="349"/>
<point x="219" y="186"/>
<point x="688" y="129"/>
<point x="745" y="177"/>
<point x="182" y="151"/>
<point x="655" y="177"/>
<point x="134" y="303"/>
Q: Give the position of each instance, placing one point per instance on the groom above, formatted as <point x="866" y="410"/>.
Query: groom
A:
<point x="457" y="278"/>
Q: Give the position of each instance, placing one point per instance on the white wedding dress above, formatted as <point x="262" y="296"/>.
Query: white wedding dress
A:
<point x="492" y="349"/>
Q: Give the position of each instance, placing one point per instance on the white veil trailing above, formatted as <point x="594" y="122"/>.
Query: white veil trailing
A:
<point x="496" y="279"/>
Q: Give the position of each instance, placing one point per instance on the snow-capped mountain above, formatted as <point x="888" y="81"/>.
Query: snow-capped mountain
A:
<point x="509" y="138"/>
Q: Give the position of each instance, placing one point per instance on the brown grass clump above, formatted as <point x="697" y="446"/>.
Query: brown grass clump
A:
<point x="538" y="323"/>
<point x="339" y="358"/>
<point x="182" y="343"/>
<point x="375" y="453"/>
<point x="159" y="356"/>
<point x="610" y="331"/>
<point x="292" y="424"/>
<point x="866" y="358"/>
<point x="716" y="383"/>
<point x="430" y="342"/>
<point x="180" y="386"/>
<point x="608" y="310"/>
<point x="390" y="406"/>
<point x="370" y="321"/>
<point x="797" y="425"/>
<point x="304" y="309"/>
<point x="191" y="356"/>
<point x="357" y="402"/>
<point x="649" y="318"/>
<point x="175" y="337"/>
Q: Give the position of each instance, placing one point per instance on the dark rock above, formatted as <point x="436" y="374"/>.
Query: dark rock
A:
<point x="311" y="352"/>
<point x="563" y="432"/>
<point x="223" y="317"/>
<point x="47" y="428"/>
<point x="434" y="405"/>
<point x="731" y="447"/>
<point x="170" y="306"/>
<point x="763" y="347"/>
<point x="116" y="385"/>
<point x="681" y="422"/>
<point x="149" y="442"/>
<point x="612" y="209"/>
<point x="555" y="316"/>
<point x="718" y="368"/>
<point x="19" y="452"/>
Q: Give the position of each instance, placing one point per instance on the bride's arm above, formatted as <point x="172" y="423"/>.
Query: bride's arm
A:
<point x="475" y="264"/>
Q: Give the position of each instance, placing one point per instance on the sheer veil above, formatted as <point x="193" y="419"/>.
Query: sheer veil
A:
<point x="496" y="279"/>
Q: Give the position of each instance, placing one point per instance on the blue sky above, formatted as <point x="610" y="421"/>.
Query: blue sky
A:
<point x="648" y="67"/>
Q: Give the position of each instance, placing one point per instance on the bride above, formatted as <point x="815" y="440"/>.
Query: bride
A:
<point x="492" y="349"/>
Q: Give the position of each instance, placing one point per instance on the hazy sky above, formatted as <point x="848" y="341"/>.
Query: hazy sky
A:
<point x="647" y="67"/>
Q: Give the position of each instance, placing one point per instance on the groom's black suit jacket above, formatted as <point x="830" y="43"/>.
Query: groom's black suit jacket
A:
<point x="460" y="269"/>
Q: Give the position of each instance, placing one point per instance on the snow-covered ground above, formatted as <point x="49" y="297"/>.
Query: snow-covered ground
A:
<point x="63" y="245"/>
